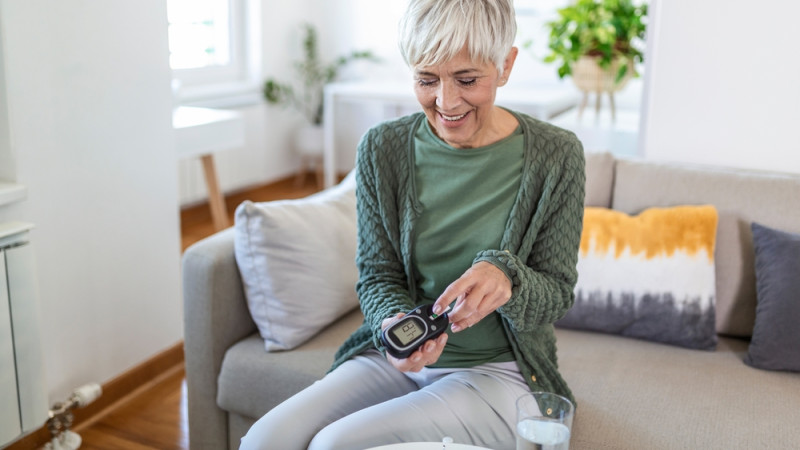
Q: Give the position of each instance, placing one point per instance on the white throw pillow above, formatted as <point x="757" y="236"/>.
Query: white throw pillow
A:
<point x="297" y="262"/>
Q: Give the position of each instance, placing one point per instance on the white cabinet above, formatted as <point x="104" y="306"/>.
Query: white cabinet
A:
<point x="9" y="415"/>
<point x="22" y="384"/>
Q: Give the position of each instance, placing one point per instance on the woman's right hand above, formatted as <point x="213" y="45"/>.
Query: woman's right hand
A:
<point x="426" y="355"/>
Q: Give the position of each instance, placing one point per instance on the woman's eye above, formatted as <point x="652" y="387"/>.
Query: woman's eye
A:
<point x="468" y="81"/>
<point x="424" y="82"/>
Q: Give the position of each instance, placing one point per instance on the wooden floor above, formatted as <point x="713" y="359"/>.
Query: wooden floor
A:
<point x="153" y="419"/>
<point x="156" y="418"/>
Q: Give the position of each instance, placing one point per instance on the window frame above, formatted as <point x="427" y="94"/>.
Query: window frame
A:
<point x="236" y="83"/>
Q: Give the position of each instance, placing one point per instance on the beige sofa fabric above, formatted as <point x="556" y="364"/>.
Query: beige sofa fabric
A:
<point x="634" y="394"/>
<point x="740" y="197"/>
<point x="599" y="179"/>
<point x="288" y="372"/>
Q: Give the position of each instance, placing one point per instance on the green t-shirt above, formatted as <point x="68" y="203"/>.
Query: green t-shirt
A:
<point x="467" y="196"/>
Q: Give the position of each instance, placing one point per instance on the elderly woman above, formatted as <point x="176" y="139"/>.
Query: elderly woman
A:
<point x="466" y="205"/>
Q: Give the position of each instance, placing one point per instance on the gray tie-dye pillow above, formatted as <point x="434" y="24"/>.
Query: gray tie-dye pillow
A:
<point x="649" y="276"/>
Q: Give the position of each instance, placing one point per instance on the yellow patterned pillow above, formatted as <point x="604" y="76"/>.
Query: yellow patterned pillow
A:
<point x="649" y="276"/>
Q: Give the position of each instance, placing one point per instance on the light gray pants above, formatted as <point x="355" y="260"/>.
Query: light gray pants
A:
<point x="366" y="402"/>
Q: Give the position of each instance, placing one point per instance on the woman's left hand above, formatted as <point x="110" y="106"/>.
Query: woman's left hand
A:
<point x="426" y="355"/>
<point x="482" y="289"/>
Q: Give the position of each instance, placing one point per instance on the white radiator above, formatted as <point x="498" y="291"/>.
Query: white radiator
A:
<point x="23" y="397"/>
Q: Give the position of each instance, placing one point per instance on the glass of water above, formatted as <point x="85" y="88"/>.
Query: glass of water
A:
<point x="544" y="421"/>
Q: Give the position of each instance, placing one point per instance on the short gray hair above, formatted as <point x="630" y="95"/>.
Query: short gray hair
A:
<point x="432" y="32"/>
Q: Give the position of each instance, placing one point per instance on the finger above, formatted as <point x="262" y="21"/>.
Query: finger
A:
<point x="483" y="297"/>
<point x="466" y="306"/>
<point x="466" y="323"/>
<point x="432" y="349"/>
<point x="408" y="364"/>
<point x="390" y="320"/>
<point x="451" y="294"/>
<point x="426" y="355"/>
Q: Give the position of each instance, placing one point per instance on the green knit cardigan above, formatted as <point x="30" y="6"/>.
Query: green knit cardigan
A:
<point x="539" y="248"/>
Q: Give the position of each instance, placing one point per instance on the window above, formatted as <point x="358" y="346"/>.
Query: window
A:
<point x="210" y="47"/>
<point x="199" y="34"/>
<point x="532" y="18"/>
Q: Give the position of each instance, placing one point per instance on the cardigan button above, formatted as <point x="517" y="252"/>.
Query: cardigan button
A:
<point x="533" y="378"/>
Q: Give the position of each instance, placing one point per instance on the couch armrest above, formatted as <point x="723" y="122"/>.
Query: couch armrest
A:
<point x="215" y="317"/>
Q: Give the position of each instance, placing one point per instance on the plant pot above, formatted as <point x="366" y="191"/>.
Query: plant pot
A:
<point x="588" y="76"/>
<point x="309" y="140"/>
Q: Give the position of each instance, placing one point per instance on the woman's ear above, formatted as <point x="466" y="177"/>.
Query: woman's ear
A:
<point x="508" y="64"/>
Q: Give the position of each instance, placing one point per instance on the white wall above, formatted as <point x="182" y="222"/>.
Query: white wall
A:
<point x="89" y="103"/>
<point x="7" y="164"/>
<point x="268" y="153"/>
<point x="722" y="84"/>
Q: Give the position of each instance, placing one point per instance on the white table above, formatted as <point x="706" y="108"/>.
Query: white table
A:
<point x="540" y="102"/>
<point x="599" y="132"/>
<point x="199" y="132"/>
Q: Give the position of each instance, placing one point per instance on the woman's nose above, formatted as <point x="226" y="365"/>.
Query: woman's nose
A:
<point x="447" y="96"/>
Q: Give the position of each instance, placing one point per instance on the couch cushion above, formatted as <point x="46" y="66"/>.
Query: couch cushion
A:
<point x="776" y="336"/>
<point x="740" y="197"/>
<point x="253" y="381"/>
<point x="649" y="276"/>
<point x="297" y="262"/>
<point x="634" y="394"/>
<point x="599" y="179"/>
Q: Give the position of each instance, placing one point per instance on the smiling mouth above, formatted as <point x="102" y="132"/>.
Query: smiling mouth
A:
<point x="453" y="118"/>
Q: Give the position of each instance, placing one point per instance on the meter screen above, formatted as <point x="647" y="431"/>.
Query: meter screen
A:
<point x="407" y="331"/>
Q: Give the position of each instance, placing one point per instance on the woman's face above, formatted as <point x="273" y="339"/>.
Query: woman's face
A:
<point x="458" y="99"/>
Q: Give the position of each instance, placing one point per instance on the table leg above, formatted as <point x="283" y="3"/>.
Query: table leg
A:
<point x="613" y="107"/>
<point x="329" y="146"/>
<point x="219" y="214"/>
<point x="584" y="102"/>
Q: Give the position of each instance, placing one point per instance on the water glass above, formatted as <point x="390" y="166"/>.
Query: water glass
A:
<point x="544" y="421"/>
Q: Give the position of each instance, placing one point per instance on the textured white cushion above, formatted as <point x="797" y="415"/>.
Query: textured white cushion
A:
<point x="297" y="262"/>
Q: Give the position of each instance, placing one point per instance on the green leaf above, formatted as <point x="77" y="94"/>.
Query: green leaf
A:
<point x="623" y="69"/>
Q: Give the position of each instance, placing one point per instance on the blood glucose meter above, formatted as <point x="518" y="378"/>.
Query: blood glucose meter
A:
<point x="406" y="335"/>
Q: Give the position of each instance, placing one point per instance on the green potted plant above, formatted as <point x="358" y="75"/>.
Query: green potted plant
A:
<point x="312" y="74"/>
<point x="596" y="42"/>
<point x="306" y="94"/>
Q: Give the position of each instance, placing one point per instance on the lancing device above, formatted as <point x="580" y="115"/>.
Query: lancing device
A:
<point x="405" y="336"/>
